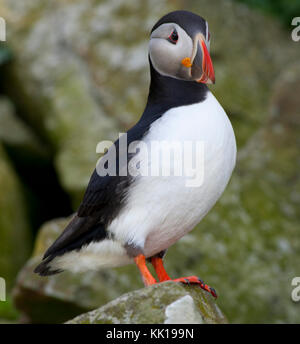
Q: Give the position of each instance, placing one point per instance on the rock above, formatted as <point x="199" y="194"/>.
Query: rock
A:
<point x="169" y="303"/>
<point x="285" y="101"/>
<point x="90" y="77"/>
<point x="247" y="60"/>
<point x="16" y="134"/>
<point x="14" y="227"/>
<point x="182" y="311"/>
<point x="84" y="85"/>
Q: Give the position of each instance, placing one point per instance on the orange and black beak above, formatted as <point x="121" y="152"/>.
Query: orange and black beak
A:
<point x="202" y="69"/>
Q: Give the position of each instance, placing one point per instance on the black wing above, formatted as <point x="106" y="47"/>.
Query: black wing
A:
<point x="104" y="195"/>
<point x="102" y="201"/>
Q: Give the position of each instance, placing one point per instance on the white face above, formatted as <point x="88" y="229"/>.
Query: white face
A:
<point x="166" y="53"/>
<point x="175" y="54"/>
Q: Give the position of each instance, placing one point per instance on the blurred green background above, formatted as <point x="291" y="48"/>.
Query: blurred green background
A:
<point x="73" y="73"/>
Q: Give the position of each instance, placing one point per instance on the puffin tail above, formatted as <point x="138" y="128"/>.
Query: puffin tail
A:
<point x="44" y="268"/>
<point x="79" y="232"/>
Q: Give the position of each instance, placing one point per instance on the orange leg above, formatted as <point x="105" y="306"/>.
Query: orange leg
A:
<point x="148" y="279"/>
<point x="163" y="276"/>
<point x="159" y="269"/>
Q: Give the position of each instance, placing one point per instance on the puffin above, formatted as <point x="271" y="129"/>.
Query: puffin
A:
<point x="127" y="216"/>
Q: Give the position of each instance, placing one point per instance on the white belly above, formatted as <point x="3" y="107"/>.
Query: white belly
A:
<point x="160" y="210"/>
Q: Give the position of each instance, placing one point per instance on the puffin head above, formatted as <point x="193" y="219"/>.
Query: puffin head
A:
<point x="179" y="47"/>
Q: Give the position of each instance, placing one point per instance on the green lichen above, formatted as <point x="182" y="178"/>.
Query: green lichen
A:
<point x="148" y="306"/>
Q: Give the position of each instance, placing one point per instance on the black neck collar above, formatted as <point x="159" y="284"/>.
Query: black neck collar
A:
<point x="166" y="93"/>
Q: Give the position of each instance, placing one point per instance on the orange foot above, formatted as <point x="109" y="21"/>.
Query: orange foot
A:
<point x="163" y="276"/>
<point x="197" y="280"/>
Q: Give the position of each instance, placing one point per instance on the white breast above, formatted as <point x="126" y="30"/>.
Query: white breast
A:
<point x="160" y="210"/>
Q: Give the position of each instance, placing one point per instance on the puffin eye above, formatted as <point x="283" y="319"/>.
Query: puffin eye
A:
<point x="173" y="38"/>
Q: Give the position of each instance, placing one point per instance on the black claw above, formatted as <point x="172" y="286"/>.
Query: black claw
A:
<point x="200" y="280"/>
<point x="213" y="291"/>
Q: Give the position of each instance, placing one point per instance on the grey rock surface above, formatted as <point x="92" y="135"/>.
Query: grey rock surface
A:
<point x="168" y="302"/>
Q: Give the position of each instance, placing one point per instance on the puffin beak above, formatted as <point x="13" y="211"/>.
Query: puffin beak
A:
<point x="202" y="69"/>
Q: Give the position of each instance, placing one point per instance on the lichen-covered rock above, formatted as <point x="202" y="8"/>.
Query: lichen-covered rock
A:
<point x="90" y="78"/>
<point x="169" y="303"/>
<point x="14" y="227"/>
<point x="247" y="60"/>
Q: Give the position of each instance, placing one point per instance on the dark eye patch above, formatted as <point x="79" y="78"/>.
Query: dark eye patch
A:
<point x="173" y="38"/>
